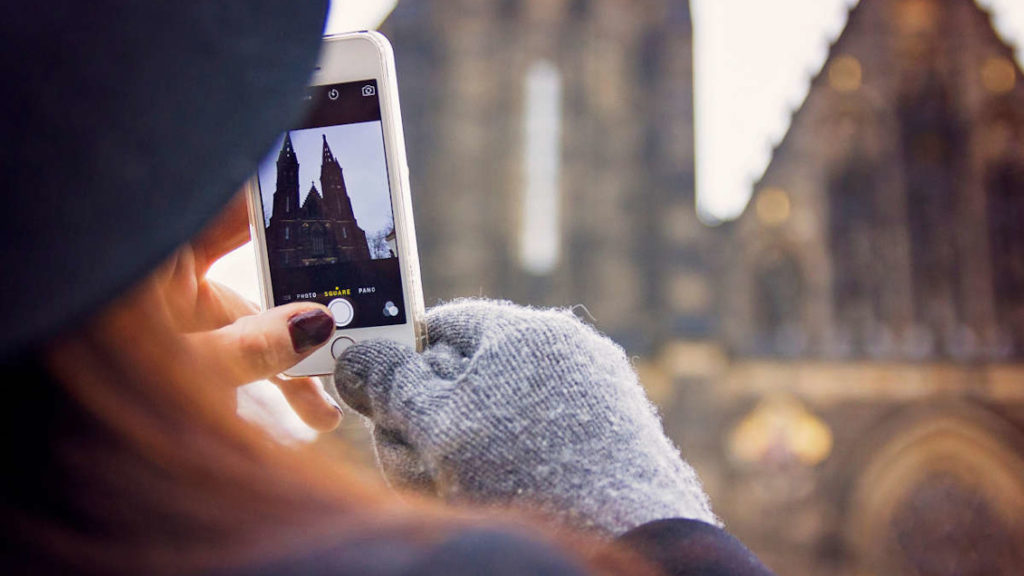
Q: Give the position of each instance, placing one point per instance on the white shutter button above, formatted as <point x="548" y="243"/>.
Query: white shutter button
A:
<point x="342" y="311"/>
<point x="339" y="345"/>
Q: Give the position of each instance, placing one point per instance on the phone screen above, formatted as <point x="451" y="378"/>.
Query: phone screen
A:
<point x="327" y="210"/>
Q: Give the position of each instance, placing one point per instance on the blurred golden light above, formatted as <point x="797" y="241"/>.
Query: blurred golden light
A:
<point x="781" y="430"/>
<point x="998" y="75"/>
<point x="845" y="74"/>
<point x="772" y="206"/>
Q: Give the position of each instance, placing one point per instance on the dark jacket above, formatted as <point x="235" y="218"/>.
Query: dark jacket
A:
<point x="678" y="546"/>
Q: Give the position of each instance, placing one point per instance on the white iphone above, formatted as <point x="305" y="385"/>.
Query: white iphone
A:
<point x="330" y="210"/>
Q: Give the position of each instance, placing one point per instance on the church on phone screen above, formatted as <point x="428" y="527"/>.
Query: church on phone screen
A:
<point x="322" y="229"/>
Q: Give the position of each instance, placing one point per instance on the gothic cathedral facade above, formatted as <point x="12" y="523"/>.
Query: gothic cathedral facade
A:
<point x="844" y="363"/>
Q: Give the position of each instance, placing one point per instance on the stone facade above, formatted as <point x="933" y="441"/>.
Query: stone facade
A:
<point x="875" y="282"/>
<point x="630" y="247"/>
<point x="844" y="363"/>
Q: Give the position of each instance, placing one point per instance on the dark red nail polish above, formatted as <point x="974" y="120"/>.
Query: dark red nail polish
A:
<point x="310" y="329"/>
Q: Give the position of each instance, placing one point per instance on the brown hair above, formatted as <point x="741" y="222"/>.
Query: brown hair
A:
<point x="144" y="468"/>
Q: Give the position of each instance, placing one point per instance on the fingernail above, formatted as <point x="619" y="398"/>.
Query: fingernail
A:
<point x="310" y="329"/>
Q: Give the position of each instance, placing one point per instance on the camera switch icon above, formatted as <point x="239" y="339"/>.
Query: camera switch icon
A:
<point x="332" y="93"/>
<point x="369" y="90"/>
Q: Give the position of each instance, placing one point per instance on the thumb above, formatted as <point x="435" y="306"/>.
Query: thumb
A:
<point x="387" y="382"/>
<point x="259" y="346"/>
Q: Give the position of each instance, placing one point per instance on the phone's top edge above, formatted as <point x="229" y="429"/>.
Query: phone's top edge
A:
<point x="356" y="33"/>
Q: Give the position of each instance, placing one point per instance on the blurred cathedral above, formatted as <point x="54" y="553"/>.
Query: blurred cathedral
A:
<point x="844" y="363"/>
<point x="602" y="93"/>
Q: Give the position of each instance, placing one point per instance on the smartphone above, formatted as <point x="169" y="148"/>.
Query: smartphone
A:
<point x="330" y="210"/>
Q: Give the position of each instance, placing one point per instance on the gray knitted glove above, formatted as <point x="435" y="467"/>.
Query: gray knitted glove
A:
<point x="522" y="407"/>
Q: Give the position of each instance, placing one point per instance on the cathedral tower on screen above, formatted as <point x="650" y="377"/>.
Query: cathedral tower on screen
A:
<point x="320" y="230"/>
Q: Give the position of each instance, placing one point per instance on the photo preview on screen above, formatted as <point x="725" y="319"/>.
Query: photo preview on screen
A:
<point x="327" y="209"/>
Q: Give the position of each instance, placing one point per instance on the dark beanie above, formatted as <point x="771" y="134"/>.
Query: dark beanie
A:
<point x="127" y="126"/>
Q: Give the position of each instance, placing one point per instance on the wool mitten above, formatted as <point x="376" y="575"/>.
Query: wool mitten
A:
<point x="521" y="407"/>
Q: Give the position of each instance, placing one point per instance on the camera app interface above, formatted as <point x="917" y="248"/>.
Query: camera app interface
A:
<point x="327" y="210"/>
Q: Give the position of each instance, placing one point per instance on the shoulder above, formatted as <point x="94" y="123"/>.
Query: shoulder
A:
<point x="682" y="546"/>
<point x="497" y="553"/>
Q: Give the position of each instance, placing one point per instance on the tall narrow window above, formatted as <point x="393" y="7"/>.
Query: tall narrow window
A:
<point x="539" y="235"/>
<point x="778" y="292"/>
<point x="1005" y="183"/>
<point x="933" y="144"/>
<point x="319" y="247"/>
<point x="855" y="249"/>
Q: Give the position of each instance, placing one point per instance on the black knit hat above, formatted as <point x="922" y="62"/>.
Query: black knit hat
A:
<point x="127" y="126"/>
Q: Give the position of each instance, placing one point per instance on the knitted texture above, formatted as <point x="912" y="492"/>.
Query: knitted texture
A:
<point x="521" y="407"/>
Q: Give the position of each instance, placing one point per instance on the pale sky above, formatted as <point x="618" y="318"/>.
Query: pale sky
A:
<point x="754" y="60"/>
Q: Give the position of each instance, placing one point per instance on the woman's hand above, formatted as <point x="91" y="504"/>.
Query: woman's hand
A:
<point x="519" y="406"/>
<point x="219" y="322"/>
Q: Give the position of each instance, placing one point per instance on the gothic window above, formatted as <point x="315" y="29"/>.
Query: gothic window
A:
<point x="510" y="8"/>
<point x="854" y="246"/>
<point x="678" y="11"/>
<point x="540" y="217"/>
<point x="287" y="232"/>
<point x="932" y="143"/>
<point x="1005" y="187"/>
<point x="578" y="8"/>
<point x="344" y="232"/>
<point x="650" y="63"/>
<point x="317" y="235"/>
<point x="778" y="291"/>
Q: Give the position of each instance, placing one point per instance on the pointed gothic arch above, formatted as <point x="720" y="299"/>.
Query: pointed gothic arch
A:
<point x="952" y="465"/>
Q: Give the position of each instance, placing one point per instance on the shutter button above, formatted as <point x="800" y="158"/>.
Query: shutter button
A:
<point x="342" y="311"/>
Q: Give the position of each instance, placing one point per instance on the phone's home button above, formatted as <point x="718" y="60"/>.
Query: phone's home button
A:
<point x="342" y="311"/>
<point x="339" y="346"/>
